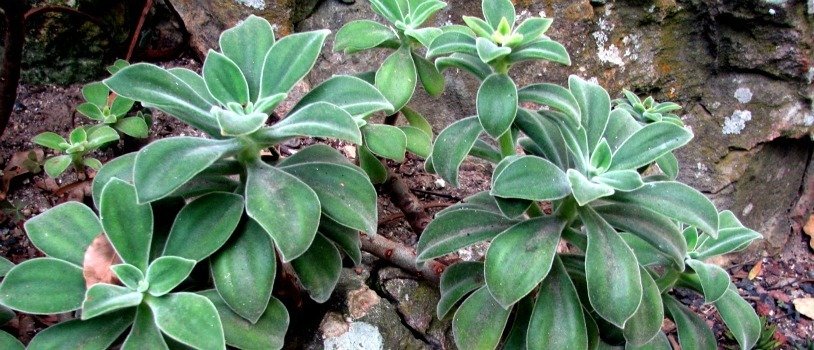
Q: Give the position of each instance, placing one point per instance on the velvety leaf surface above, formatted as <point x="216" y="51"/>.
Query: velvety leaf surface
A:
<point x="284" y="206"/>
<point x="459" y="229"/>
<point x="646" y="322"/>
<point x="224" y="80"/>
<point x="428" y="74"/>
<point x="452" y="42"/>
<point x="466" y="62"/>
<point x="611" y="270"/>
<point x="557" y="321"/>
<point x="548" y="50"/>
<point x="584" y="190"/>
<point x="594" y="105"/>
<point x="520" y="257"/>
<point x="529" y="177"/>
<point x="267" y="333"/>
<point x="714" y="279"/>
<point x="104" y="298"/>
<point x="497" y="104"/>
<point x="352" y="94"/>
<point x="677" y="201"/>
<point x="385" y="140"/>
<point x="372" y="166"/>
<point x="362" y="35"/>
<point x="397" y="77"/>
<point x="96" y="333"/>
<point x="244" y="271"/>
<point x="129" y="225"/>
<point x="120" y="167"/>
<point x="43" y="286"/>
<point x="479" y="321"/>
<point x="128" y="274"/>
<point x="289" y="60"/>
<point x="655" y="229"/>
<point x="418" y="142"/>
<point x="155" y="177"/>
<point x="204" y="225"/>
<point x="345" y="238"/>
<point x="452" y="146"/>
<point x="145" y="333"/>
<point x="495" y="10"/>
<point x="9" y="342"/>
<point x="64" y="231"/>
<point x="693" y="332"/>
<point x="732" y="236"/>
<point x="319" y="269"/>
<point x="246" y="45"/>
<point x="649" y="144"/>
<point x="553" y="96"/>
<point x="739" y="317"/>
<point x="190" y="319"/>
<point x="320" y="119"/>
<point x="166" y="273"/>
<point x="457" y="282"/>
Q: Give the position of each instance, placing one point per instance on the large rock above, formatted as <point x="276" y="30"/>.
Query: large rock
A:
<point x="741" y="69"/>
<point x="206" y="19"/>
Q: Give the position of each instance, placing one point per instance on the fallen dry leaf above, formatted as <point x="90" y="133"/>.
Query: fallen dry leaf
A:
<point x="805" y="306"/>
<point x="809" y="230"/>
<point x="756" y="270"/>
<point x="99" y="257"/>
<point x="21" y="163"/>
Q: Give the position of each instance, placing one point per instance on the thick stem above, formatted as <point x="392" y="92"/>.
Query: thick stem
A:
<point x="407" y="202"/>
<point x="403" y="257"/>
<point x="14" y="11"/>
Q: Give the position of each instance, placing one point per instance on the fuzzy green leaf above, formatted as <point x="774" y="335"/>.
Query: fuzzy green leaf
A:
<point x="244" y="272"/>
<point x="740" y="318"/>
<point x="363" y="35"/>
<point x="103" y="298"/>
<point x="224" y="79"/>
<point x="452" y="145"/>
<point x="553" y="96"/>
<point x="530" y="177"/>
<point x="489" y="51"/>
<point x="133" y="126"/>
<point x="418" y="142"/>
<point x="397" y="77"/>
<point x="155" y="177"/>
<point x="43" y="286"/>
<point x="732" y="236"/>
<point x="190" y="319"/>
<point x="431" y="78"/>
<point x="50" y="140"/>
<point x="55" y="166"/>
<point x="557" y="321"/>
<point x="469" y="63"/>
<point x="96" y="93"/>
<point x="459" y="229"/>
<point x="693" y="332"/>
<point x="621" y="180"/>
<point x="457" y="282"/>
<point x="586" y="191"/>
<point x="479" y="26"/>
<point x="546" y="137"/>
<point x="128" y="274"/>
<point x="649" y="144"/>
<point x="533" y="28"/>
<point x="385" y="140"/>
<point x="714" y="279"/>
<point x="195" y="81"/>
<point x="452" y="42"/>
<point x="289" y="60"/>
<point x="520" y="257"/>
<point x="101" y="135"/>
<point x="352" y="94"/>
<point x="9" y="342"/>
<point x="479" y="321"/>
<point x="204" y="225"/>
<point x="145" y="333"/>
<point x="120" y="167"/>
<point x="284" y="206"/>
<point x="611" y="270"/>
<point x="345" y="238"/>
<point x="495" y="10"/>
<point x="620" y="126"/>
<point x="166" y="273"/>
<point x="544" y="49"/>
<point x="646" y="322"/>
<point x="267" y="333"/>
<point x="594" y="105"/>
<point x="372" y="166"/>
<point x="677" y="201"/>
<point x="497" y="104"/>
<point x="319" y="269"/>
<point x="319" y="119"/>
<point x="129" y="225"/>
<point x="96" y="333"/>
<point x="64" y="232"/>
<point x="246" y="45"/>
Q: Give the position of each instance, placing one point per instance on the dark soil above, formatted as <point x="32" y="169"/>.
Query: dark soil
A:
<point x="51" y="108"/>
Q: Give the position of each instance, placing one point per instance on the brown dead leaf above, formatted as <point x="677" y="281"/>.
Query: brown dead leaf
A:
<point x="99" y="257"/>
<point x="809" y="230"/>
<point x="756" y="270"/>
<point x="805" y="306"/>
<point x="21" y="163"/>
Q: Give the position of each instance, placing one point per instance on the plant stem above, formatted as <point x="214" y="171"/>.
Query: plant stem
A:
<point x="402" y="256"/>
<point x="506" y="142"/>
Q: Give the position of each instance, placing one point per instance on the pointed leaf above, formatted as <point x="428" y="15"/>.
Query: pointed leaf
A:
<point x="55" y="166"/>
<point x="319" y="269"/>
<point x="289" y="60"/>
<point x="166" y="273"/>
<point x="120" y="167"/>
<point x="363" y="35"/>
<point x="621" y="180"/>
<point x="244" y="272"/>
<point x="489" y="51"/>
<point x="129" y="225"/>
<point x="204" y="225"/>
<point x="156" y="87"/>
<point x="190" y="319"/>
<point x="319" y="119"/>
<point x="96" y="93"/>
<point x="586" y="191"/>
<point x="155" y="177"/>
<point x="653" y="228"/>
<point x="557" y="321"/>
<point x="611" y="269"/>
<point x="457" y="282"/>
<point x="145" y="333"/>
<point x="417" y="120"/>
<point x="354" y="95"/>
<point x="544" y="49"/>
<point x="533" y="28"/>
<point x="732" y="236"/>
<point x="344" y="192"/>
<point x="397" y="77"/>
<point x="497" y="104"/>
<point x="693" y="332"/>
<point x="133" y="127"/>
<point x="677" y="201"/>
<point x="452" y="146"/>
<point x="246" y="45"/>
<point x="284" y="206"/>
<point x="646" y="322"/>
<point x="479" y="321"/>
<point x="520" y="257"/>
<point x="43" y="286"/>
<point x="385" y="140"/>
<point x="452" y="42"/>
<point x="128" y="274"/>
<point x="64" y="232"/>
<point x="714" y="279"/>
<point x="479" y="26"/>
<point x="648" y="144"/>
<point x="594" y="105"/>
<point x="530" y="177"/>
<point x="459" y="229"/>
<point x="740" y="318"/>
<point x="431" y="78"/>
<point x="267" y="333"/>
<point x="553" y="96"/>
<point x="345" y="238"/>
<point x="103" y="298"/>
<point x="96" y="333"/>
<point x="495" y="10"/>
<point x="469" y="63"/>
<point x="224" y="80"/>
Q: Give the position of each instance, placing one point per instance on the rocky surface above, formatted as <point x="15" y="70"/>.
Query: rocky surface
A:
<point x="741" y="69"/>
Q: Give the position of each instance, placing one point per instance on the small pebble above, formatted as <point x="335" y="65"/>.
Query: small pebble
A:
<point x="440" y="183"/>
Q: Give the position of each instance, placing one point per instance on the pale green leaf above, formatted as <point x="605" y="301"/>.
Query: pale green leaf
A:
<point x="196" y="233"/>
<point x="497" y="104"/>
<point x="64" y="232"/>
